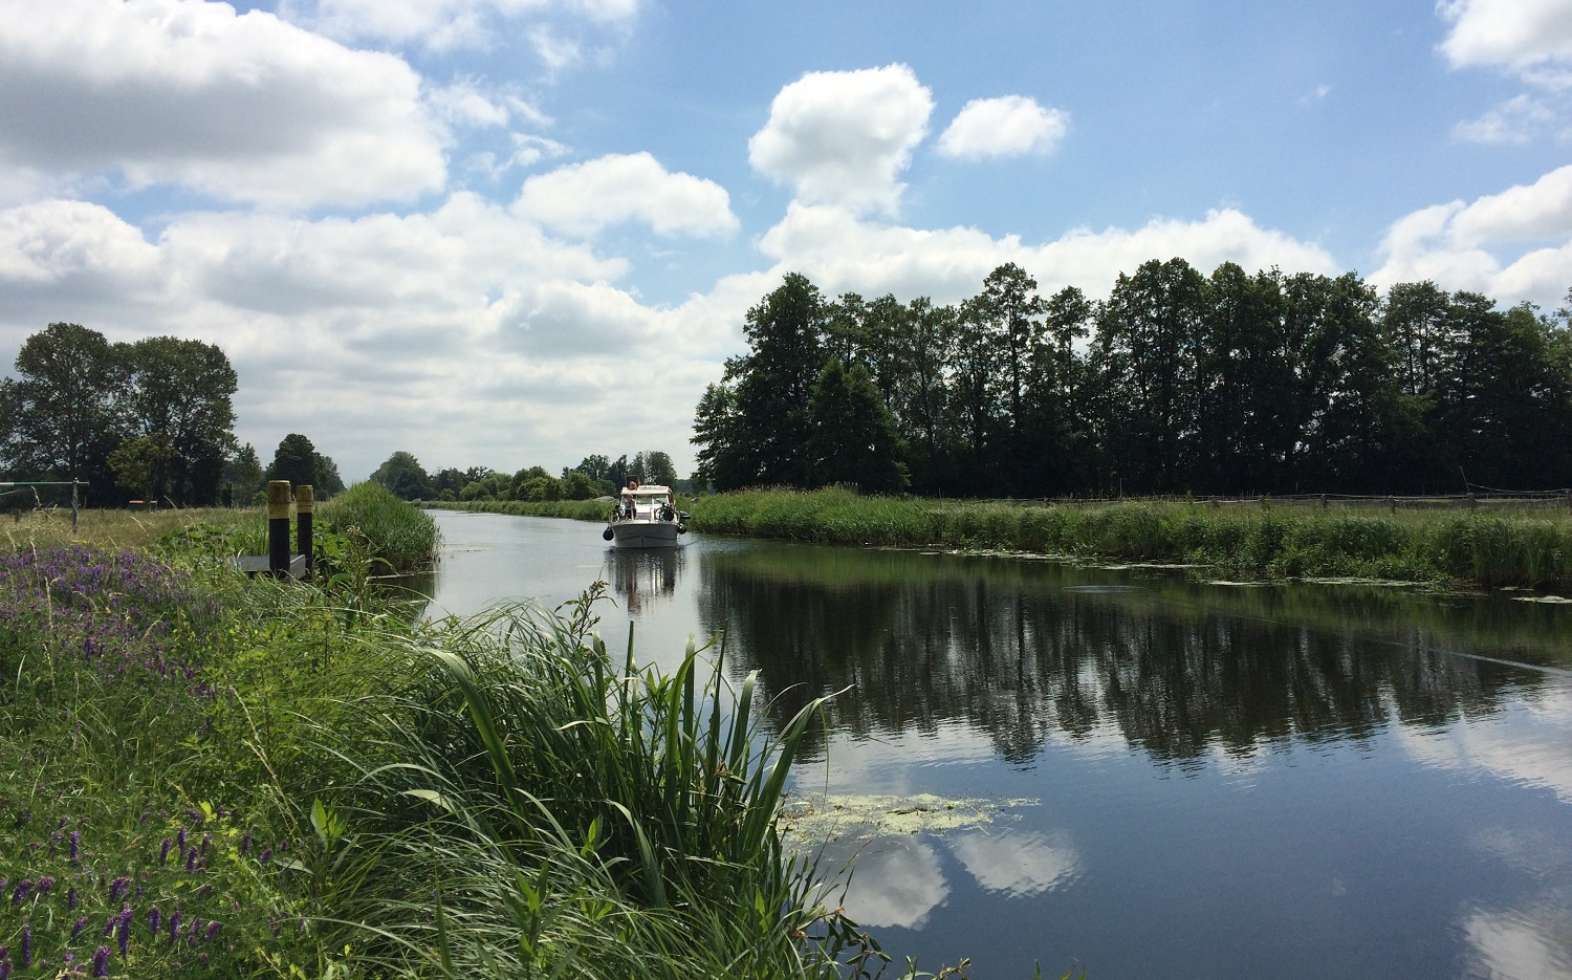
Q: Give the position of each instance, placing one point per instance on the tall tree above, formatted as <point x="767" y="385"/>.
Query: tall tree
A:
<point x="786" y="351"/>
<point x="242" y="475"/>
<point x="852" y="436"/>
<point x="1013" y="312"/>
<point x="181" y="393"/>
<point x="294" y="460"/>
<point x="66" y="410"/>
<point x="658" y="469"/>
<point x="402" y="474"/>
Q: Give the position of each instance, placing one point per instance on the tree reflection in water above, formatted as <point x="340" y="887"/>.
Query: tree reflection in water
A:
<point x="1177" y="668"/>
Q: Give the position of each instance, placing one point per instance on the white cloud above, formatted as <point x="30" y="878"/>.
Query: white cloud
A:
<point x="839" y="250"/>
<point x="555" y="51"/>
<point x="1018" y="863"/>
<point x="239" y="107"/>
<point x="443" y="25"/>
<point x="1518" y="120"/>
<point x="582" y="199"/>
<point x="1461" y="245"/>
<point x="1531" y="38"/>
<point x="1317" y="94"/>
<point x="1007" y="126"/>
<point x="844" y="137"/>
<point x="466" y="102"/>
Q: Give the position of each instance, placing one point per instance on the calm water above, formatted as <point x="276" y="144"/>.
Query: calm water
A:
<point x="1288" y="781"/>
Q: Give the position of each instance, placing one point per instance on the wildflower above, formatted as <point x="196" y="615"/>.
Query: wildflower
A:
<point x="213" y="930"/>
<point x="180" y="839"/>
<point x="174" y="925"/>
<point x="245" y="846"/>
<point x="45" y="885"/>
<point x="78" y="926"/>
<point x="25" y="954"/>
<point x="71" y="900"/>
<point x="191" y="857"/>
<point x="118" y="888"/>
<point x="23" y="889"/>
<point x="207" y="843"/>
<point x="101" y="961"/>
<point x="163" y="851"/>
<point x="76" y="845"/>
<point x="5" y="970"/>
<point x="266" y="855"/>
<point x="123" y="933"/>
<point x="152" y="920"/>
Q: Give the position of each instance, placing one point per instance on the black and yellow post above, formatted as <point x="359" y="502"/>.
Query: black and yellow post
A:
<point x="303" y="505"/>
<point x="278" y="528"/>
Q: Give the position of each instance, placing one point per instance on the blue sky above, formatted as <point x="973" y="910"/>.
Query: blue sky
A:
<point x="516" y="231"/>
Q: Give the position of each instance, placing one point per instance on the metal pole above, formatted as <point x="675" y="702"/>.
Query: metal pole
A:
<point x="303" y="507"/>
<point x="278" y="528"/>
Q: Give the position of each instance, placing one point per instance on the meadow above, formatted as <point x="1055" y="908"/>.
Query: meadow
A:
<point x="1520" y="548"/>
<point x="213" y="776"/>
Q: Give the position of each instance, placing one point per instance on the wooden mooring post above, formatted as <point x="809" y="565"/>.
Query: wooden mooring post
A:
<point x="303" y="508"/>
<point x="278" y="528"/>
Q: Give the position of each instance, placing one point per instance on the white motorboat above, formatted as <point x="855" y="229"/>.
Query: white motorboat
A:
<point x="646" y="517"/>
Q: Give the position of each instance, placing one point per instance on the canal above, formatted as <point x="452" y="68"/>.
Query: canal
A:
<point x="1178" y="777"/>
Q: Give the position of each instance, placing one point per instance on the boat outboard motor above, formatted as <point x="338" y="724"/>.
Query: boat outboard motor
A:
<point x="607" y="534"/>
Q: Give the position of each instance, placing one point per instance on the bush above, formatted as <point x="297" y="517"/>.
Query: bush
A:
<point x="398" y="534"/>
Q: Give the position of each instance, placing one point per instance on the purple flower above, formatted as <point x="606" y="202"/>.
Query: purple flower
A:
<point x="78" y="926"/>
<point x="46" y="884"/>
<point x="109" y="925"/>
<point x="5" y="970"/>
<point x="191" y="857"/>
<point x="163" y="851"/>
<point x="101" y="961"/>
<point x="213" y="929"/>
<point x="117" y="888"/>
<point x="181" y="839"/>
<point x="23" y="889"/>
<point x="174" y="925"/>
<point x="152" y="920"/>
<point x="25" y="955"/>
<point x="123" y="933"/>
<point x="207" y="843"/>
<point x="266" y="855"/>
<point x="71" y="900"/>
<point x="76" y="845"/>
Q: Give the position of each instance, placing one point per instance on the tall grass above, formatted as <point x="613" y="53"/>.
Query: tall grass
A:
<point x="403" y="537"/>
<point x="577" y="510"/>
<point x="1523" y="549"/>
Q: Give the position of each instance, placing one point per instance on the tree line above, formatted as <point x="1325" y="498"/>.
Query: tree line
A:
<point x="153" y="419"/>
<point x="594" y="476"/>
<point x="1178" y="382"/>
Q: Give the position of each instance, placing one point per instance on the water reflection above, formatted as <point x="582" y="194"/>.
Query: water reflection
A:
<point x="641" y="576"/>
<point x="1025" y="652"/>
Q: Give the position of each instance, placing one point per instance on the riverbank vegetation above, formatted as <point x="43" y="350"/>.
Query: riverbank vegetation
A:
<point x="1177" y="382"/>
<point x="211" y="776"/>
<point x="1509" y="549"/>
<point x="594" y="476"/>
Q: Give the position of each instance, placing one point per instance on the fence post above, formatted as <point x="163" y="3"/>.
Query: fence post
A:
<point x="1323" y="501"/>
<point x="303" y="507"/>
<point x="278" y="528"/>
<point x="1391" y="503"/>
<point x="74" y="507"/>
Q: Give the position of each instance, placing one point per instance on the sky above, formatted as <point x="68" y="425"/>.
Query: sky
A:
<point x="516" y="232"/>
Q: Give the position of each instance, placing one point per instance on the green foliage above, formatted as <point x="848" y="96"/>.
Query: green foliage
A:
<point x="294" y="460"/>
<point x="851" y="435"/>
<point x="405" y="477"/>
<point x="401" y="536"/>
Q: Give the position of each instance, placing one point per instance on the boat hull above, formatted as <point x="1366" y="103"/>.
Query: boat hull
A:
<point x="644" y="534"/>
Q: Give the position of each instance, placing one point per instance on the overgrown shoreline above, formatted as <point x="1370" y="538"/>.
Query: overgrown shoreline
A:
<point x="1492" y="550"/>
<point x="215" y="776"/>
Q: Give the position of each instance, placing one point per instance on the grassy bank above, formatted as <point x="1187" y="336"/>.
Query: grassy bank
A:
<point x="209" y="776"/>
<point x="1489" y="549"/>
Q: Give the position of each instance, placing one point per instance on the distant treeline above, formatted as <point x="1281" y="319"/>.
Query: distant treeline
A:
<point x="152" y="420"/>
<point x="594" y="476"/>
<point x="1177" y="382"/>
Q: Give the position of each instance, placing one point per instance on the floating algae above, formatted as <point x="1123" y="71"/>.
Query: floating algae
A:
<point x="1549" y="600"/>
<point x="820" y="818"/>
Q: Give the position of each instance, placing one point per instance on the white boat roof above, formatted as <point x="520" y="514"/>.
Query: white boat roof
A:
<point x="647" y="491"/>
